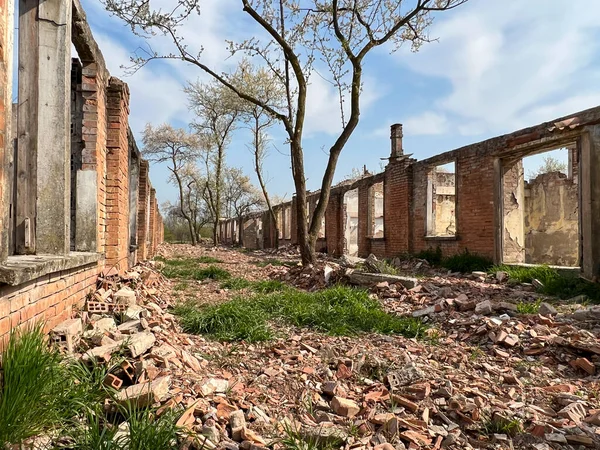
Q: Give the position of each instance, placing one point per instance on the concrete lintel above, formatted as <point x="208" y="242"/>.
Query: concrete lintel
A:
<point x="19" y="269"/>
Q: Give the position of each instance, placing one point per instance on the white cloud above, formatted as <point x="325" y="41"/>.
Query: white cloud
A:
<point x="512" y="63"/>
<point x="427" y="123"/>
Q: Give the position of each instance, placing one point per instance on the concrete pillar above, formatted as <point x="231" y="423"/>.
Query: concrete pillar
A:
<point x="590" y="202"/>
<point x="152" y="223"/>
<point x="44" y="128"/>
<point x="6" y="52"/>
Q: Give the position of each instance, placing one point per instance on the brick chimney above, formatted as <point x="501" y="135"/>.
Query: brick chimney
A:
<point x="396" y="137"/>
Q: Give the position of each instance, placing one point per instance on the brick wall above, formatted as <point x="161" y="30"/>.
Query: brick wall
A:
<point x="117" y="177"/>
<point x="50" y="293"/>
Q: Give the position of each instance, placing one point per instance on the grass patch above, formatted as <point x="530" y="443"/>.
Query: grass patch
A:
<point x="340" y="311"/>
<point x="500" y="425"/>
<point x="464" y="262"/>
<point x="188" y="269"/>
<point x="529" y="307"/>
<point x="31" y="376"/>
<point x="554" y="283"/>
<point x="294" y="440"/>
<point x="181" y="286"/>
<point x="261" y="286"/>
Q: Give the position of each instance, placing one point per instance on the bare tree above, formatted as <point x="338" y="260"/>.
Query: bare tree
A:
<point x="176" y="148"/>
<point x="216" y="111"/>
<point x="298" y="38"/>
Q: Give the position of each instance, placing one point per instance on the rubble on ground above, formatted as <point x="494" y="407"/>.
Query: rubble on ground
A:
<point x="485" y="376"/>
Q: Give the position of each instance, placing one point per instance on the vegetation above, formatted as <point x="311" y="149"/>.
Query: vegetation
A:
<point x="529" y="307"/>
<point x="31" y="378"/>
<point x="549" y="165"/>
<point x="261" y="286"/>
<point x="553" y="282"/>
<point x="464" y="262"/>
<point x="339" y="311"/>
<point x="41" y="392"/>
<point x="270" y="261"/>
<point x="189" y="269"/>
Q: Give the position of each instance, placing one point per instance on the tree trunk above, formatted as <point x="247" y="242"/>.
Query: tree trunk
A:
<point x="182" y="209"/>
<point x="261" y="182"/>
<point x="305" y="244"/>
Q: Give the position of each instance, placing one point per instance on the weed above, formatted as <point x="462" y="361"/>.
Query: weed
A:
<point x="467" y="262"/>
<point x="476" y="353"/>
<point x="338" y="310"/>
<point x="554" y="283"/>
<point x="147" y="431"/>
<point x="31" y="387"/>
<point x="529" y="307"/>
<point x="294" y="440"/>
<point x="499" y="425"/>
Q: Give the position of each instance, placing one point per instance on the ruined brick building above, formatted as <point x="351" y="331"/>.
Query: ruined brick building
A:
<point x="75" y="194"/>
<point x="474" y="198"/>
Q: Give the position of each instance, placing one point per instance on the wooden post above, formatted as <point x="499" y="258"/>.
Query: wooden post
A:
<point x="43" y="160"/>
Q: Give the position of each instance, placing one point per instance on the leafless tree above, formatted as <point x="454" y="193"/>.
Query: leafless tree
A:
<point x="176" y="148"/>
<point x="296" y="39"/>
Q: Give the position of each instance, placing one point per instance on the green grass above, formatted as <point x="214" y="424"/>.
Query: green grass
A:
<point x="529" y="307"/>
<point x="509" y="427"/>
<point x="181" y="286"/>
<point x="464" y="262"/>
<point x="339" y="311"/>
<point x="554" y="283"/>
<point x="31" y="381"/>
<point x="191" y="271"/>
<point x="261" y="287"/>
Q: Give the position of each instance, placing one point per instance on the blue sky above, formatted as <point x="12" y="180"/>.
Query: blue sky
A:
<point x="498" y="66"/>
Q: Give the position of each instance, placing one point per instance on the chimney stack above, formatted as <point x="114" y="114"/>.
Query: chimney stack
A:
<point x="396" y="137"/>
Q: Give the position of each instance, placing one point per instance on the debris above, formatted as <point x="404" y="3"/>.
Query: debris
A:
<point x="344" y="407"/>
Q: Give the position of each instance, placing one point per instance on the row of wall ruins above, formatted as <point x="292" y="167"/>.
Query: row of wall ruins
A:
<point x="474" y="198"/>
<point x="76" y="199"/>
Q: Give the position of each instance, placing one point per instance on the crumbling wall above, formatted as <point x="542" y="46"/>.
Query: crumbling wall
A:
<point x="444" y="202"/>
<point x="514" y="211"/>
<point x="552" y="220"/>
<point x="351" y="222"/>
<point x="97" y="198"/>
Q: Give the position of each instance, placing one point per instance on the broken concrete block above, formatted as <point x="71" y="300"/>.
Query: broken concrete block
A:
<point x="501" y="276"/>
<point x="330" y="387"/>
<point x="104" y="325"/>
<point x="344" y="407"/>
<point x="68" y="333"/>
<point x="103" y="352"/>
<point x="144" y="394"/>
<point x="214" y="385"/>
<point x="424" y="312"/>
<point x="547" y="310"/>
<point x="125" y="296"/>
<point x="139" y="343"/>
<point x="484" y="308"/>
<point x="237" y="422"/>
<point x="134" y="312"/>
